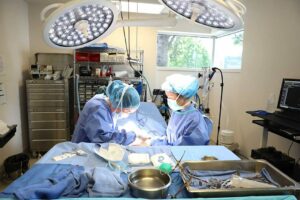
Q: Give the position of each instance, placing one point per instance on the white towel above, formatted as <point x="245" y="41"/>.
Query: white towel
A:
<point x="113" y="153"/>
<point x="138" y="158"/>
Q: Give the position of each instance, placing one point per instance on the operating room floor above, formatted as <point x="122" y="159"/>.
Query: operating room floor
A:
<point x="4" y="181"/>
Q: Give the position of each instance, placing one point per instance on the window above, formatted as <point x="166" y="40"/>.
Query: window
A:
<point x="181" y="51"/>
<point x="228" y="51"/>
<point x="195" y="52"/>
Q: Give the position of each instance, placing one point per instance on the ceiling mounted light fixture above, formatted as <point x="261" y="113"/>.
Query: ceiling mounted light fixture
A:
<point x="80" y="23"/>
<point x="220" y="14"/>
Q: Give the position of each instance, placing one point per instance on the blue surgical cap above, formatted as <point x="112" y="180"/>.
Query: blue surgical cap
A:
<point x="186" y="86"/>
<point x="131" y="98"/>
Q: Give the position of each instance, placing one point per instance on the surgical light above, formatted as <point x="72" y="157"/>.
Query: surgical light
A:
<point x="220" y="14"/>
<point x="76" y="24"/>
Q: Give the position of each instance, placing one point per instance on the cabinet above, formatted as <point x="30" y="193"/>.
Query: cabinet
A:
<point x="48" y="113"/>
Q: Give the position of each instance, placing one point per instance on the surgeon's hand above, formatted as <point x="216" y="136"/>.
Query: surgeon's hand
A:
<point x="136" y="142"/>
<point x="139" y="141"/>
<point x="146" y="142"/>
<point x="142" y="134"/>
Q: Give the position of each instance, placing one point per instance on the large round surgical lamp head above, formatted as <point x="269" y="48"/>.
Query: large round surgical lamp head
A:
<point x="78" y="23"/>
<point x="220" y="14"/>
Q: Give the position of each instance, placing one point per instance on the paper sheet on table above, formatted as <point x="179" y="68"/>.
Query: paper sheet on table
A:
<point x="113" y="153"/>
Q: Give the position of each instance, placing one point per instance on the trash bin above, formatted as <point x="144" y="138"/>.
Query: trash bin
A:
<point x="16" y="165"/>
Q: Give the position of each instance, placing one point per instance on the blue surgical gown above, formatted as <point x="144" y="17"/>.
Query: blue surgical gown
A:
<point x="96" y="125"/>
<point x="187" y="127"/>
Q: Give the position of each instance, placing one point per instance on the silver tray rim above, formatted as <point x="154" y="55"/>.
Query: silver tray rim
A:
<point x="240" y="191"/>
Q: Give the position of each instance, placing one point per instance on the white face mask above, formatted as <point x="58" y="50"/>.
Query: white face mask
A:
<point x="174" y="106"/>
<point x="120" y="105"/>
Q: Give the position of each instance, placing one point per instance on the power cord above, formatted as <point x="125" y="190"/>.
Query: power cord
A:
<point x="290" y="148"/>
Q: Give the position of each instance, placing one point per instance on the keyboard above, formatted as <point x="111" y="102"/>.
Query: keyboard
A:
<point x="294" y="133"/>
<point x="293" y="117"/>
<point x="283" y="123"/>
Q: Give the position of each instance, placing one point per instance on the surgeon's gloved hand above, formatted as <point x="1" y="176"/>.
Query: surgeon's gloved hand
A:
<point x="125" y="138"/>
<point x="141" y="142"/>
<point x="143" y="134"/>
<point x="162" y="141"/>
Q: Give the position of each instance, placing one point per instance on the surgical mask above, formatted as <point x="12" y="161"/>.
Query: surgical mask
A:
<point x="173" y="105"/>
<point x="120" y="115"/>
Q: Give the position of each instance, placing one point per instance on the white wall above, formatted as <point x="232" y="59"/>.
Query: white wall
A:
<point x="271" y="47"/>
<point x="271" y="52"/>
<point x="14" y="47"/>
<point x="37" y="44"/>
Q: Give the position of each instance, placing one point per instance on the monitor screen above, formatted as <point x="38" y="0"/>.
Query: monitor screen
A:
<point x="289" y="97"/>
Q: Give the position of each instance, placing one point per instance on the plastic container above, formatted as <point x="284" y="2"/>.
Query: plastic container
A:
<point x="94" y="57"/>
<point x="98" y="72"/>
<point x="112" y="57"/>
<point x="271" y="103"/>
<point x="104" y="57"/>
<point x="121" y="57"/>
<point x="226" y="137"/>
<point x="81" y="57"/>
<point x="139" y="87"/>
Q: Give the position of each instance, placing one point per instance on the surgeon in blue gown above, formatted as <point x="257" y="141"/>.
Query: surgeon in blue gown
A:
<point x="187" y="125"/>
<point x="97" y="121"/>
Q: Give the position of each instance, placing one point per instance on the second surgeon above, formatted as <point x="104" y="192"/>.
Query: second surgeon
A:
<point x="187" y="125"/>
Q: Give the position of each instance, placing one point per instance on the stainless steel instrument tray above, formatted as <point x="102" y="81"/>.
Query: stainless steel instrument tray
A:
<point x="288" y="186"/>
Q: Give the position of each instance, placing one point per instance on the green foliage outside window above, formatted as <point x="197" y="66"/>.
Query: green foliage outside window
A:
<point x="238" y="38"/>
<point x="187" y="52"/>
<point x="184" y="51"/>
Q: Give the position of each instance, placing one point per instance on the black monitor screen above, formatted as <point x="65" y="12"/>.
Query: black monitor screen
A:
<point x="290" y="95"/>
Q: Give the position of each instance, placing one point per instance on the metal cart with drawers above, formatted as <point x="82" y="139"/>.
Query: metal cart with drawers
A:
<point x="48" y="113"/>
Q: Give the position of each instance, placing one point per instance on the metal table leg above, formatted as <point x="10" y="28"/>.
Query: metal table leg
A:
<point x="264" y="137"/>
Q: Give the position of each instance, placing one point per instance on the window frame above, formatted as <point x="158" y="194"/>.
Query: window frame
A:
<point x="188" y="34"/>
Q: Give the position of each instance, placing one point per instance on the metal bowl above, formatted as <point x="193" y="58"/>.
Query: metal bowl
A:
<point x="149" y="183"/>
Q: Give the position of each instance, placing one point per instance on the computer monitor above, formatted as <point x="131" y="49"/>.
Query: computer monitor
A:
<point x="289" y="98"/>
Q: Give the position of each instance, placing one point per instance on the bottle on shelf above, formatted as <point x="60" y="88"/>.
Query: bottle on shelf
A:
<point x="110" y="79"/>
<point x="139" y="86"/>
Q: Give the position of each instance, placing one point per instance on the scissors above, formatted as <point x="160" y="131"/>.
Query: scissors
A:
<point x="177" y="161"/>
